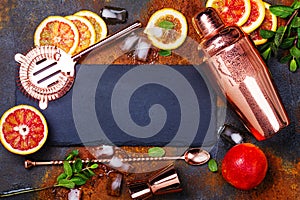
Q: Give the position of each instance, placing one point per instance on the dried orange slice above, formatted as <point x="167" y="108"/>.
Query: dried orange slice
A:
<point x="233" y="12"/>
<point x="57" y="31"/>
<point x="23" y="129"/>
<point x="98" y="23"/>
<point x="87" y="34"/>
<point x="269" y="23"/>
<point x="167" y="29"/>
<point x="256" y="17"/>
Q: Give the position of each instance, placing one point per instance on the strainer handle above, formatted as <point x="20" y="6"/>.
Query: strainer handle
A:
<point x="109" y="39"/>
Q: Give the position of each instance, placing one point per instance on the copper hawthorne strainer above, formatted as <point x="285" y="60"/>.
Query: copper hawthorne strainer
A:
<point x="47" y="73"/>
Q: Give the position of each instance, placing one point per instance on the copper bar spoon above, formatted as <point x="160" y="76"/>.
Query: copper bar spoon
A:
<point x="193" y="156"/>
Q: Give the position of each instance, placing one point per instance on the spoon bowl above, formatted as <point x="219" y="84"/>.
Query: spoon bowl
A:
<point x="196" y="156"/>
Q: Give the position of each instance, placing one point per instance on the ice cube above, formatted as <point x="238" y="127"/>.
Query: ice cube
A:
<point x="114" y="15"/>
<point x="231" y="134"/>
<point x="129" y="42"/>
<point x="142" y="49"/>
<point x="104" y="150"/>
<point x="74" y="194"/>
<point x="115" y="162"/>
<point x="118" y="164"/>
<point x="154" y="31"/>
<point x="236" y="137"/>
<point x="114" y="184"/>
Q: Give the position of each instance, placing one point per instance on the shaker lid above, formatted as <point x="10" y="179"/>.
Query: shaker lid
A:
<point x="207" y="21"/>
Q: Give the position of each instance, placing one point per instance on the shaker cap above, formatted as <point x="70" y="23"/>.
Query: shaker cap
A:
<point x="207" y="21"/>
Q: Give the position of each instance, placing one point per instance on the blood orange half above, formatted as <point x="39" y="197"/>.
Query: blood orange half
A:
<point x="57" y="31"/>
<point x="98" y="23"/>
<point x="256" y="17"/>
<point x="87" y="33"/>
<point x="233" y="12"/>
<point x="269" y="23"/>
<point x="23" y="130"/>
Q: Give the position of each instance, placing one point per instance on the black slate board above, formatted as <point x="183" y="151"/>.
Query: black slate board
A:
<point x="132" y="105"/>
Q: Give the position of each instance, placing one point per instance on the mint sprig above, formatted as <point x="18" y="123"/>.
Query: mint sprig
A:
<point x="286" y="37"/>
<point x="75" y="174"/>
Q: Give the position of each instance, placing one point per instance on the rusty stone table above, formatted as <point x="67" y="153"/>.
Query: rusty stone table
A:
<point x="18" y="20"/>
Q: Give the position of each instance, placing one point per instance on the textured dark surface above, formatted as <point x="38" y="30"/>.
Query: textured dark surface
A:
<point x="18" y="20"/>
<point x="62" y="122"/>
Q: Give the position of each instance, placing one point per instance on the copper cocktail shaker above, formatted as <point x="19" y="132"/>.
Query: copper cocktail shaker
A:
<point x="236" y="67"/>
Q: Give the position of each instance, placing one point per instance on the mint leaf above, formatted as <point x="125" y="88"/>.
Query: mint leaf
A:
<point x="286" y="58"/>
<point x="68" y="169"/>
<point x="166" y="24"/>
<point x="91" y="173"/>
<point x="212" y="165"/>
<point x="295" y="52"/>
<point x="66" y="183"/>
<point x="81" y="175"/>
<point x="71" y="155"/>
<point x="293" y="65"/>
<point x="156" y="152"/>
<point x="164" y="52"/>
<point x="296" y="4"/>
<point x="279" y="35"/>
<point x="78" y="180"/>
<point x="287" y="42"/>
<point x="94" y="166"/>
<point x="266" y="34"/>
<point x="61" y="176"/>
<point x="295" y="22"/>
<point x="266" y="54"/>
<point x="281" y="10"/>
<point x="77" y="166"/>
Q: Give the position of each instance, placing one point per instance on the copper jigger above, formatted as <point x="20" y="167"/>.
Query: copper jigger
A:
<point x="164" y="181"/>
